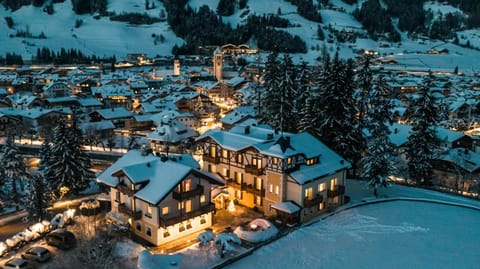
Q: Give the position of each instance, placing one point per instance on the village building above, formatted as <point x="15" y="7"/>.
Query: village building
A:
<point x="275" y="173"/>
<point x="161" y="198"/>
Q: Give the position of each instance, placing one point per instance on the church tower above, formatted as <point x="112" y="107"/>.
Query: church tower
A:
<point x="218" y="64"/>
<point x="176" y="67"/>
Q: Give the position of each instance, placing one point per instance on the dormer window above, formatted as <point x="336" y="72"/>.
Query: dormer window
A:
<point x="312" y="161"/>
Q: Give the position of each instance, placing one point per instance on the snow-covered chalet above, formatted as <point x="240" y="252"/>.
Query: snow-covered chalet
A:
<point x="293" y="176"/>
<point x="161" y="198"/>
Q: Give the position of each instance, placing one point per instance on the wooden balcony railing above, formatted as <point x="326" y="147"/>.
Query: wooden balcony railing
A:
<point x="253" y="170"/>
<point x="124" y="189"/>
<point x="210" y="159"/>
<point x="122" y="208"/>
<point x="251" y="189"/>
<point x="232" y="183"/>
<point x="315" y="201"/>
<point x="180" y="196"/>
<point x="168" y="221"/>
<point x="338" y="190"/>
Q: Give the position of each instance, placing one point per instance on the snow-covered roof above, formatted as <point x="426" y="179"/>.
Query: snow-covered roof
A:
<point x="465" y="158"/>
<point x="97" y="125"/>
<point x="297" y="144"/>
<point x="89" y="101"/>
<point x="287" y="207"/>
<point x="172" y="132"/>
<point x="399" y="133"/>
<point x="448" y="135"/>
<point x="114" y="113"/>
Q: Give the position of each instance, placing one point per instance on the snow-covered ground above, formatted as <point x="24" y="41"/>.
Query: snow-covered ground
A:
<point x="400" y="234"/>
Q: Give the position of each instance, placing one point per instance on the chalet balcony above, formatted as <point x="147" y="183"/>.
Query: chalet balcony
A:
<point x="124" y="189"/>
<point x="232" y="183"/>
<point x="338" y="190"/>
<point x="253" y="170"/>
<point x="180" y="196"/>
<point x="122" y="208"/>
<point x="164" y="221"/>
<point x="259" y="192"/>
<point x="315" y="201"/>
<point x="210" y="159"/>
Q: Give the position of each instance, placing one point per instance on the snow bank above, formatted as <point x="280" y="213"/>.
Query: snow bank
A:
<point x="259" y="230"/>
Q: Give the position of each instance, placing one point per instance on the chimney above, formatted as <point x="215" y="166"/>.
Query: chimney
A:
<point x="395" y="130"/>
<point x="270" y="136"/>
<point x="247" y="129"/>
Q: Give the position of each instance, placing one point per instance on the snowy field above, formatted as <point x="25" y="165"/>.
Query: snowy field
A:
<point x="398" y="234"/>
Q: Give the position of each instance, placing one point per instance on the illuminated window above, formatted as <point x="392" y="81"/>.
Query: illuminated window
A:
<point x="180" y="206"/>
<point x="311" y="161"/>
<point x="213" y="151"/>
<point x="226" y="172"/>
<point x="277" y="189"/>
<point x="333" y="183"/>
<point x="321" y="187"/>
<point x="225" y="153"/>
<point x="239" y="158"/>
<point x="258" y="200"/>
<point x="258" y="183"/>
<point x="289" y="160"/>
<point x="202" y="198"/>
<point x="149" y="211"/>
<point x="275" y="161"/>
<point x="212" y="168"/>
<point x="187" y="185"/>
<point x="188" y="206"/>
<point x="238" y="177"/>
<point x="270" y="188"/>
<point x="321" y="206"/>
<point x="238" y="194"/>
<point x="257" y="162"/>
<point x="309" y="193"/>
<point x="165" y="210"/>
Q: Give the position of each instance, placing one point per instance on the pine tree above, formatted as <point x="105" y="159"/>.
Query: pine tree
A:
<point x="338" y="123"/>
<point x="423" y="140"/>
<point x="38" y="197"/>
<point x="270" y="107"/>
<point x="378" y="160"/>
<point x="13" y="168"/>
<point x="68" y="169"/>
<point x="288" y="94"/>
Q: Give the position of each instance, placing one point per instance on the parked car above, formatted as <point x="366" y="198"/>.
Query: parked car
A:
<point x="38" y="254"/>
<point x="17" y="263"/>
<point x="60" y="238"/>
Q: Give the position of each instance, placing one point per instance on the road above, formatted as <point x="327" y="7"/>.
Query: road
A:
<point x="11" y="228"/>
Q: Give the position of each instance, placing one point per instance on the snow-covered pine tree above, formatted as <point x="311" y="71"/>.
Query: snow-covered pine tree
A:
<point x="288" y="95"/>
<point x="339" y="124"/>
<point x="68" y="170"/>
<point x="38" y="197"/>
<point x="270" y="106"/>
<point x="423" y="142"/>
<point x="13" y="168"/>
<point x="364" y="79"/>
<point x="303" y="93"/>
<point x="378" y="160"/>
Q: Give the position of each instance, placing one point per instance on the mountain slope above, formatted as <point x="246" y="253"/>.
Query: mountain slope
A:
<point x="103" y="37"/>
